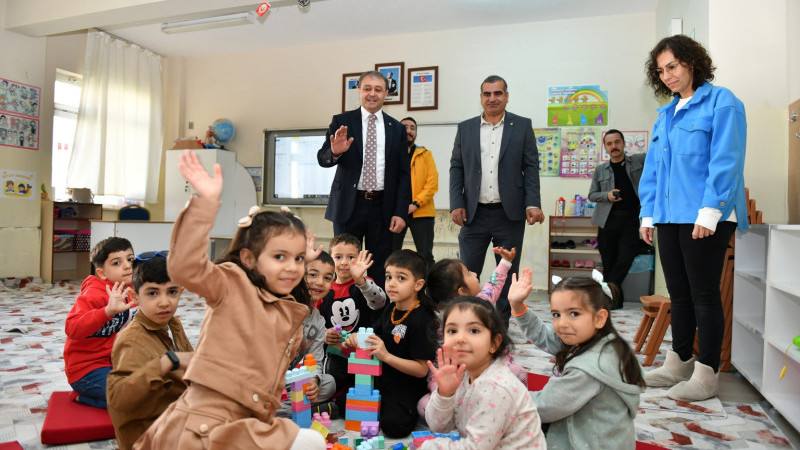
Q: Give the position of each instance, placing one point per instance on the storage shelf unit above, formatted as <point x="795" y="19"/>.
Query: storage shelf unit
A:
<point x="576" y="229"/>
<point x="66" y="264"/>
<point x="766" y="314"/>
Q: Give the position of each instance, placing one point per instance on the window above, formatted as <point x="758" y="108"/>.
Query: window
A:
<point x="67" y="94"/>
<point x="67" y="98"/>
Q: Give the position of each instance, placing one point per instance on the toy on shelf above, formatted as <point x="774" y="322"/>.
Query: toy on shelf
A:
<point x="298" y="380"/>
<point x="363" y="402"/>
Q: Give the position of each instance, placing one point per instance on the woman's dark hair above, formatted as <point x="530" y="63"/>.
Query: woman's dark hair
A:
<point x="414" y="262"/>
<point x="445" y="279"/>
<point x="266" y="225"/>
<point x="487" y="314"/>
<point x="596" y="299"/>
<point x="687" y="51"/>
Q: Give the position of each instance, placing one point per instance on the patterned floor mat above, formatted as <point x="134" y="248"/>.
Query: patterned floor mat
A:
<point x="32" y="337"/>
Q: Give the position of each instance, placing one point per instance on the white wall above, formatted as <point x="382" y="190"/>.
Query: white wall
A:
<point x="301" y="87"/>
<point x="751" y="61"/>
<point x="22" y="61"/>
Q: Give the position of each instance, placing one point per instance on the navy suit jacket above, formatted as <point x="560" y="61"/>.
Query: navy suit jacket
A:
<point x="518" y="168"/>
<point x="397" y="177"/>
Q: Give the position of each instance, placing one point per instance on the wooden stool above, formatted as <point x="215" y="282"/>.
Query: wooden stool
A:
<point x="655" y="320"/>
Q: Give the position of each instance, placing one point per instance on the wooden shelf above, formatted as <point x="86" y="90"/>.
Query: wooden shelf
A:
<point x="563" y="229"/>
<point x="72" y="264"/>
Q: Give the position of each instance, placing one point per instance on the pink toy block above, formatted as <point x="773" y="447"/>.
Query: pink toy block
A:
<point x="364" y="369"/>
<point x="323" y="419"/>
<point x="362" y="353"/>
<point x="369" y="429"/>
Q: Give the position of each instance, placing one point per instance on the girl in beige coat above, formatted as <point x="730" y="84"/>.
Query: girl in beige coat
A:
<point x="250" y="333"/>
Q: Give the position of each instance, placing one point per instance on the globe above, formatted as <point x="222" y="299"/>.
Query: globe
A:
<point x="223" y="130"/>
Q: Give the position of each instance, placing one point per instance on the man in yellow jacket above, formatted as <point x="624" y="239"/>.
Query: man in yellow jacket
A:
<point x="424" y="183"/>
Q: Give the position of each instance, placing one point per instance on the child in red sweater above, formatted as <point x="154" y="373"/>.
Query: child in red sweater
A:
<point x="100" y="312"/>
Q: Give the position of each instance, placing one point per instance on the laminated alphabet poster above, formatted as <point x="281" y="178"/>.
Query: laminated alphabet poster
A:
<point x="580" y="151"/>
<point x="548" y="142"/>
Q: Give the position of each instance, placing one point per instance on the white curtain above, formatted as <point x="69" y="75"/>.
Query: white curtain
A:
<point x="118" y="140"/>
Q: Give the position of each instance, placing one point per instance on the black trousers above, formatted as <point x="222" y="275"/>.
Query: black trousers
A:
<point x="422" y="232"/>
<point x="366" y="223"/>
<point x="692" y="270"/>
<point x="618" y="243"/>
<point x="490" y="225"/>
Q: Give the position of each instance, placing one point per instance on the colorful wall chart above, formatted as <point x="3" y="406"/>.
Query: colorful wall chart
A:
<point x="569" y="106"/>
<point x="548" y="142"/>
<point x="580" y="151"/>
<point x="19" y="112"/>
<point x="635" y="142"/>
<point x="18" y="184"/>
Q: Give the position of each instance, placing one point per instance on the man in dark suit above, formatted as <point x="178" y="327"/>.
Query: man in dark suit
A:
<point x="371" y="190"/>
<point x="494" y="182"/>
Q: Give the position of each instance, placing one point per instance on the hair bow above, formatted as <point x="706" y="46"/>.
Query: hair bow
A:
<point x="597" y="276"/>
<point x="247" y="220"/>
<point x="289" y="211"/>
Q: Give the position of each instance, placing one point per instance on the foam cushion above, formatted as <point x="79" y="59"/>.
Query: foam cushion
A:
<point x="10" y="446"/>
<point x="536" y="382"/>
<point x="68" y="421"/>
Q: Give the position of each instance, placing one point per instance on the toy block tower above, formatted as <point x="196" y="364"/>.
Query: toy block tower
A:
<point x="363" y="401"/>
<point x="298" y="380"/>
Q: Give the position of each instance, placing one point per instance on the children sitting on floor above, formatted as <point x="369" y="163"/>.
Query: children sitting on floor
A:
<point x="594" y="396"/>
<point x="150" y="355"/>
<point x="404" y="341"/>
<point x="100" y="312"/>
<point x="354" y="302"/>
<point x="256" y="301"/>
<point x="450" y="278"/>
<point x="477" y="394"/>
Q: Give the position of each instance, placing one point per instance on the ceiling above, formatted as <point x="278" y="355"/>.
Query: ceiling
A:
<point x="288" y="24"/>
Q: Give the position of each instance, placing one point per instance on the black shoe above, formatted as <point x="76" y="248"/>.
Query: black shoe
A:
<point x="570" y="243"/>
<point x="330" y="407"/>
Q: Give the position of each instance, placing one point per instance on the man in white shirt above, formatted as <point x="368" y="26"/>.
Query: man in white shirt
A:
<point x="494" y="181"/>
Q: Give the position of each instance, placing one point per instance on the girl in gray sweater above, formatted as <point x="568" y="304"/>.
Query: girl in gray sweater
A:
<point x="592" y="399"/>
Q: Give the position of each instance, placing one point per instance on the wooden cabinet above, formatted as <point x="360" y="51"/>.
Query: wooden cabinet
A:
<point x="766" y="314"/>
<point x="66" y="231"/>
<point x="572" y="240"/>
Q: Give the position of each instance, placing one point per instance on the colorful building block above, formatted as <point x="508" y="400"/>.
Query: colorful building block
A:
<point x="369" y="429"/>
<point x="320" y="428"/>
<point x="363" y="334"/>
<point x="324" y="419"/>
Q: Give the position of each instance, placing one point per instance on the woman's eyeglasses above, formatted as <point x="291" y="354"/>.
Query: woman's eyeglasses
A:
<point x="147" y="256"/>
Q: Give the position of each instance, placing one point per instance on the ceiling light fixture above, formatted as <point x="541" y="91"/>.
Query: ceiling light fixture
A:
<point x="207" y="23"/>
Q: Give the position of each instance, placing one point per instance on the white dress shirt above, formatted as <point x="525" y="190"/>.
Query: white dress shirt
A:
<point x="491" y="137"/>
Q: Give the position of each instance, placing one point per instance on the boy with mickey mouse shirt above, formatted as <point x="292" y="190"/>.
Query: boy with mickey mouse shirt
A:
<point x="350" y="303"/>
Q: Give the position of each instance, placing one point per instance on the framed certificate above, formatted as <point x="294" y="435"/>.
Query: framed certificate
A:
<point x="423" y="88"/>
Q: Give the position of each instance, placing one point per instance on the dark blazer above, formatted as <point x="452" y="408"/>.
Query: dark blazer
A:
<point x="518" y="167"/>
<point x="397" y="177"/>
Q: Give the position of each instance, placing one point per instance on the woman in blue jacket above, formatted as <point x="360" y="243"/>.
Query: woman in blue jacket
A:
<point x="692" y="189"/>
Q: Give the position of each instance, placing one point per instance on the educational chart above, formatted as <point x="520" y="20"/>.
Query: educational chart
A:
<point x="580" y="151"/>
<point x="548" y="142"/>
<point x="18" y="184"/>
<point x="577" y="106"/>
<point x="19" y="112"/>
<point x="635" y="142"/>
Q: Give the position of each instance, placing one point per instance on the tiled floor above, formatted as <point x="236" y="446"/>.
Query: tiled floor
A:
<point x="31" y="342"/>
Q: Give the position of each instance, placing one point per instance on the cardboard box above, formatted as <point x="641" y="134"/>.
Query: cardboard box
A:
<point x="191" y="144"/>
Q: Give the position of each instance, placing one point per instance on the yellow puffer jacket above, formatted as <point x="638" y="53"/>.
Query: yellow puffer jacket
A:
<point x="424" y="182"/>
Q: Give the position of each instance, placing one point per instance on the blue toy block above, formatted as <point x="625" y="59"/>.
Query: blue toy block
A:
<point x="419" y="434"/>
<point x="302" y="418"/>
<point x="351" y="414"/>
<point x="365" y="446"/>
<point x="300" y="374"/>
<point x="374" y="396"/>
<point x="399" y="446"/>
<point x="343" y="440"/>
<point x="363" y="334"/>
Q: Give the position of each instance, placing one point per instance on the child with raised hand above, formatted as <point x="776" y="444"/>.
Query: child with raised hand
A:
<point x="450" y="278"/>
<point x="256" y="301"/>
<point x="149" y="356"/>
<point x="100" y="312"/>
<point x="593" y="396"/>
<point x="350" y="304"/>
<point x="403" y="340"/>
<point x="477" y="394"/>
